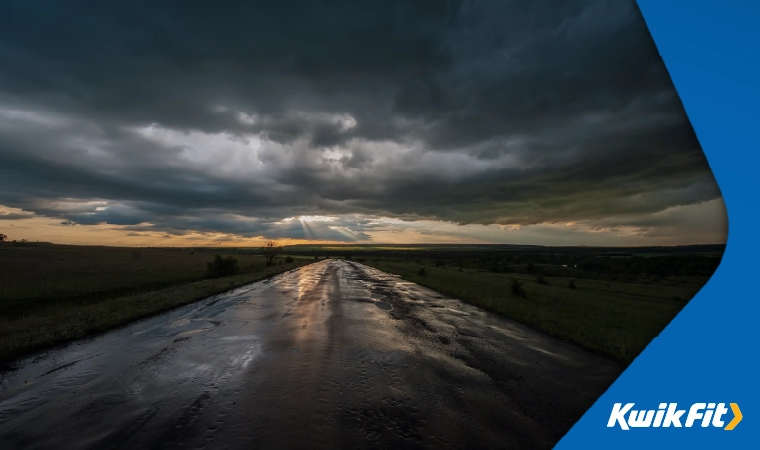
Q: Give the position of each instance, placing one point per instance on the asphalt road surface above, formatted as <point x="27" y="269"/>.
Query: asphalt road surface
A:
<point x="332" y="355"/>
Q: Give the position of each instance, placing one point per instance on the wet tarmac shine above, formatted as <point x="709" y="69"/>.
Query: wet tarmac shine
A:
<point x="335" y="354"/>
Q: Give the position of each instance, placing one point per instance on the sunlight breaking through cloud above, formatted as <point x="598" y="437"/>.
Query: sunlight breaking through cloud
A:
<point x="500" y="122"/>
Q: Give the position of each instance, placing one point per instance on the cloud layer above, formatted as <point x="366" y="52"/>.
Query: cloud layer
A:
<point x="179" y="117"/>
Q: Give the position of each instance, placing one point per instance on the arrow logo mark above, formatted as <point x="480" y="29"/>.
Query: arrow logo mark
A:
<point x="737" y="417"/>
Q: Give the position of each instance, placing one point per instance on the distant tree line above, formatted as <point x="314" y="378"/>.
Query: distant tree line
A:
<point x="4" y="238"/>
<point x="593" y="267"/>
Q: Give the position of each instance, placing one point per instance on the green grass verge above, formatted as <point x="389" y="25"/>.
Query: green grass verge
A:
<point x="614" y="319"/>
<point x="102" y="288"/>
<point x="33" y="276"/>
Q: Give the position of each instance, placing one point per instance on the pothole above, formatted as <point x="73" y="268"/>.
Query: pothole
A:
<point x="384" y="306"/>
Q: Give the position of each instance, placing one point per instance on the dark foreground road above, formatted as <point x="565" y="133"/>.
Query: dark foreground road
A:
<point x="335" y="354"/>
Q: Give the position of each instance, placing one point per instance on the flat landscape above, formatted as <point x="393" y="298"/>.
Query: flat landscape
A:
<point x="332" y="355"/>
<point x="51" y="294"/>
<point x="620" y="299"/>
<point x="421" y="347"/>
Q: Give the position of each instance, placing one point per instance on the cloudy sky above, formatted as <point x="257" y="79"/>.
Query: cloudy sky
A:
<point x="175" y="123"/>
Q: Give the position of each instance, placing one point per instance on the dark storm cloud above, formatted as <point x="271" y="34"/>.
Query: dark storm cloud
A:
<point x="14" y="216"/>
<point x="229" y="118"/>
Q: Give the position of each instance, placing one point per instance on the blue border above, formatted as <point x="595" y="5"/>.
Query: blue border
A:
<point x="710" y="350"/>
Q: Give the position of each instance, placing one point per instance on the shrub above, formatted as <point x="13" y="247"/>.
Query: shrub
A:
<point x="288" y="259"/>
<point x="571" y="285"/>
<point x="439" y="262"/>
<point x="517" y="287"/>
<point x="541" y="280"/>
<point x="422" y="271"/>
<point x="222" y="267"/>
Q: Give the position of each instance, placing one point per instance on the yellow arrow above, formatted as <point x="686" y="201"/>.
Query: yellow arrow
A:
<point x="737" y="417"/>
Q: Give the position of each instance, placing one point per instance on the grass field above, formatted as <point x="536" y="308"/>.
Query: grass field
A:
<point x="614" y="319"/>
<point x="51" y="294"/>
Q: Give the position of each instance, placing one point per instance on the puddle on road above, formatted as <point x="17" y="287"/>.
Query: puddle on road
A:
<point x="179" y="323"/>
<point x="384" y="306"/>
<point x="188" y="334"/>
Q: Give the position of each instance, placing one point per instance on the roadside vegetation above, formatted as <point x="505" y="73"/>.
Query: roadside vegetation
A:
<point x="612" y="301"/>
<point x="51" y="294"/>
<point x="611" y="318"/>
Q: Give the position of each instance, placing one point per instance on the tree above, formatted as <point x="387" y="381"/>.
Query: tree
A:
<point x="3" y="237"/>
<point x="271" y="250"/>
<point x="222" y="267"/>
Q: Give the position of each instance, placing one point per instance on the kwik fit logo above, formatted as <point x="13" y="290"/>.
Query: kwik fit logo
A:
<point x="668" y="415"/>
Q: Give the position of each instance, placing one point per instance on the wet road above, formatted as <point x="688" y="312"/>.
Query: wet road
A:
<point x="335" y="354"/>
